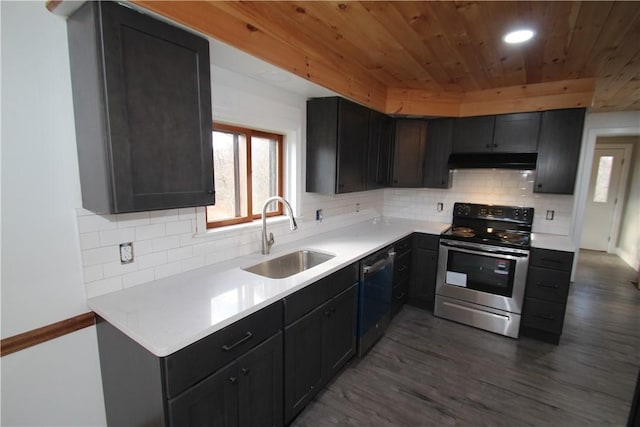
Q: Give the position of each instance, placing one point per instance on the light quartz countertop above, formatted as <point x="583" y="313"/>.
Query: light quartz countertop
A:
<point x="167" y="315"/>
<point x="552" y="241"/>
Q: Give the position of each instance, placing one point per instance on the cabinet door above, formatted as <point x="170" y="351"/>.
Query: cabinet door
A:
<point x="439" y="140"/>
<point x="423" y="283"/>
<point x="260" y="386"/>
<point x="303" y="362"/>
<point x="516" y="133"/>
<point x="559" y="151"/>
<point x="341" y="316"/>
<point x="473" y="134"/>
<point x="409" y="152"/>
<point x="353" y="138"/>
<point x="212" y="402"/>
<point x="379" y="158"/>
<point x="159" y="112"/>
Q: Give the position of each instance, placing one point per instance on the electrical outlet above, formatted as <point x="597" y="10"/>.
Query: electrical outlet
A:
<point x="440" y="207"/>
<point x="357" y="207"/>
<point x="550" y="215"/>
<point x="126" y="253"/>
<point x="319" y="215"/>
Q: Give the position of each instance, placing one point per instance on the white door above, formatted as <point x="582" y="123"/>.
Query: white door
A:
<point x="602" y="199"/>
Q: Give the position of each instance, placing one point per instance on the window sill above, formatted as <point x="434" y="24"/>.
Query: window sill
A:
<point x="230" y="229"/>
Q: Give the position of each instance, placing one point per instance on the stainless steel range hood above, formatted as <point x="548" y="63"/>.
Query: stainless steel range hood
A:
<point x="523" y="161"/>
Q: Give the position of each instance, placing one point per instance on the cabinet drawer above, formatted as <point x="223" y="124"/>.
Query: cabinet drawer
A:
<point x="401" y="268"/>
<point x="401" y="291"/>
<point x="402" y="246"/>
<point x="551" y="285"/>
<point x="427" y="241"/>
<point x="202" y="358"/>
<point x="546" y="258"/>
<point x="544" y="315"/>
<point x="307" y="299"/>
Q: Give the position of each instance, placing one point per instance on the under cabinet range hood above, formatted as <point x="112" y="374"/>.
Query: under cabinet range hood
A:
<point x="522" y="161"/>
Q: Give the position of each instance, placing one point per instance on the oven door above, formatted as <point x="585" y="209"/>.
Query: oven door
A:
<point x="488" y="275"/>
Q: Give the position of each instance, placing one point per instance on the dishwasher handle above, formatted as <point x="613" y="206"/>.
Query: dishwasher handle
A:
<point x="379" y="265"/>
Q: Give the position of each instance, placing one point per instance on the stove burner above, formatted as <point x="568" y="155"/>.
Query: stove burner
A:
<point x="504" y="226"/>
<point x="511" y="237"/>
<point x="463" y="232"/>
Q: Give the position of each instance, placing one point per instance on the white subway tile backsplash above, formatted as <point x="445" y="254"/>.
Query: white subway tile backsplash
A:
<point x="504" y="187"/>
<point x="152" y="260"/>
<point x="133" y="219"/>
<point x="100" y="255"/>
<point x="192" y="263"/>
<point x="145" y="232"/>
<point x="157" y="217"/>
<point x="112" y="269"/>
<point x="142" y="247"/>
<point x="180" y="254"/>
<point x="187" y="214"/>
<point x="102" y="287"/>
<point x="179" y="227"/>
<point x="137" y="278"/>
<point x="93" y="273"/>
<point x="117" y="236"/>
<point x="170" y="269"/>
<point x="89" y="240"/>
<point x="88" y="223"/>
<point x="164" y="243"/>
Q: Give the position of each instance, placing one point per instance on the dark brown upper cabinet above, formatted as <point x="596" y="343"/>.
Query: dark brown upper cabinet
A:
<point x="473" y="134"/>
<point x="409" y="142"/>
<point x="337" y="146"/>
<point x="439" y="140"/>
<point x="504" y="133"/>
<point x="559" y="151"/>
<point x="142" y="103"/>
<point x="379" y="157"/>
<point x="516" y="133"/>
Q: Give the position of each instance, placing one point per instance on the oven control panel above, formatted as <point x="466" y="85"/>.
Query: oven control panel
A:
<point x="505" y="213"/>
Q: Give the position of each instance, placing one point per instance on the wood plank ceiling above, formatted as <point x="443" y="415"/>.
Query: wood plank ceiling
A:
<point x="400" y="56"/>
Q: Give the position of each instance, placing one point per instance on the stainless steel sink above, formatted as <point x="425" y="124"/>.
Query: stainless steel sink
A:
<point x="289" y="264"/>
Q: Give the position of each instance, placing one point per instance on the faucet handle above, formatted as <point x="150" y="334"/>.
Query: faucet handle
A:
<point x="271" y="241"/>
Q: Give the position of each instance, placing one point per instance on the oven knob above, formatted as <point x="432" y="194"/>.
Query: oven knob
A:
<point x="464" y="210"/>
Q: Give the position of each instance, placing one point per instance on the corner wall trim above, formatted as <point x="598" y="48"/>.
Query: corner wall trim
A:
<point x="37" y="336"/>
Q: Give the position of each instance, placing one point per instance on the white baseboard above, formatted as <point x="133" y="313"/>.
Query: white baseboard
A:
<point x="628" y="258"/>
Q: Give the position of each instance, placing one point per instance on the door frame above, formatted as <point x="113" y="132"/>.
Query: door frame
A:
<point x="621" y="194"/>
<point x="589" y="137"/>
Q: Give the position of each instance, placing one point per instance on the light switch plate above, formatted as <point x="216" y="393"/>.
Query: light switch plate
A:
<point x="126" y="253"/>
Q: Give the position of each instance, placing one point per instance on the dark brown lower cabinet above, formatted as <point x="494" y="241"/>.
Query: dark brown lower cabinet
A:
<point x="401" y="274"/>
<point x="424" y="270"/>
<point x="316" y="347"/>
<point x="246" y="393"/>
<point x="230" y="378"/>
<point x="546" y="294"/>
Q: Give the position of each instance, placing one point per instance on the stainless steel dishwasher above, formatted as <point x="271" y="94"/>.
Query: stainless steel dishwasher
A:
<point x="376" y="285"/>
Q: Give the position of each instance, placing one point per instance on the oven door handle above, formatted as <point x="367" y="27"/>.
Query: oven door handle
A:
<point x="484" y="250"/>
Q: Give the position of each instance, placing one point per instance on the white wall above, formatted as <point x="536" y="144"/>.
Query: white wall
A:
<point x="58" y="382"/>
<point x="629" y="237"/>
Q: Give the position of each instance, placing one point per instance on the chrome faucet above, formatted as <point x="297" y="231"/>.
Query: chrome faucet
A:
<point x="268" y="242"/>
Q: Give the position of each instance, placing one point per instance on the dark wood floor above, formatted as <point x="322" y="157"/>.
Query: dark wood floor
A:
<point x="428" y="371"/>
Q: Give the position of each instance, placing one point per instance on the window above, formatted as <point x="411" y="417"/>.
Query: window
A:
<point x="601" y="192"/>
<point x="248" y="170"/>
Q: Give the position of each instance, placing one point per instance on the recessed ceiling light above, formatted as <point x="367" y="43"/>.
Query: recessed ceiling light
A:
<point x="518" y="36"/>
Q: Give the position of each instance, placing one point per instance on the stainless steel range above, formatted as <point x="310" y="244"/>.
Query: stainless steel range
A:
<point x="482" y="267"/>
